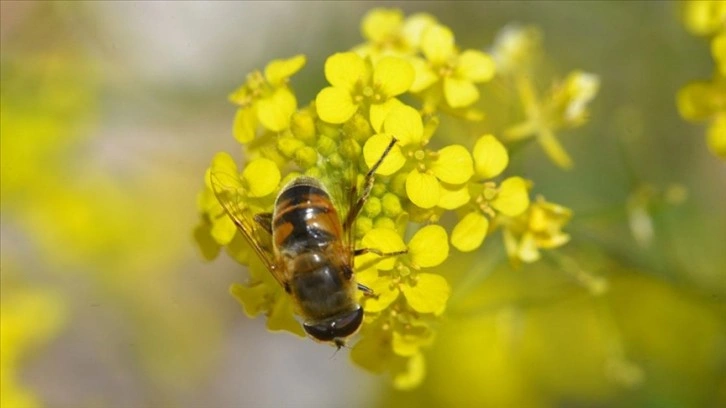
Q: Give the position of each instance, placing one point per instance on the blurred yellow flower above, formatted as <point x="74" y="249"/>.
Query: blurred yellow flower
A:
<point x="565" y="106"/>
<point x="266" y="99"/>
<point x="28" y="318"/>
<point x="540" y="227"/>
<point x="456" y="72"/>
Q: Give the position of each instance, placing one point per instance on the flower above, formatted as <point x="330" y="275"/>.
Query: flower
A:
<point x="704" y="17"/>
<point x="486" y="198"/>
<point x="266" y="99"/>
<point x="387" y="33"/>
<point x="516" y="48"/>
<point x="428" y="173"/>
<point x="540" y="227"/>
<point x="564" y="107"/>
<point x="457" y="73"/>
<point x="358" y="85"/>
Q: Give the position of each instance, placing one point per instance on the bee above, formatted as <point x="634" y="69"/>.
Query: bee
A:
<point x="307" y="246"/>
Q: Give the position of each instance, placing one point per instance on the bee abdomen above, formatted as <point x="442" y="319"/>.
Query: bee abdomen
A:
<point x="304" y="217"/>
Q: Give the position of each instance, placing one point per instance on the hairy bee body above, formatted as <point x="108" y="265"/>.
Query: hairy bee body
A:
<point x="308" y="248"/>
<point x="307" y="237"/>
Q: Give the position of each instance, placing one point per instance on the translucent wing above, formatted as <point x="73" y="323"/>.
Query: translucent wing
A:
<point x="340" y="177"/>
<point x="228" y="190"/>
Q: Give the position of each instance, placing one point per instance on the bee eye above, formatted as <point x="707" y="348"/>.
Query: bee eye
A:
<point x="339" y="326"/>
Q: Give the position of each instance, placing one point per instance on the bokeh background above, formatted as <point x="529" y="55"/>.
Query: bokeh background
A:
<point x="111" y="112"/>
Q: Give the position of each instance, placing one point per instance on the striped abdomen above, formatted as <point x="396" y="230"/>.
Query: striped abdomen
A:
<point x="304" y="218"/>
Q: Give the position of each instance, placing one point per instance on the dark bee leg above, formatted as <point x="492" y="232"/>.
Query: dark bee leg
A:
<point x="362" y="251"/>
<point x="265" y="221"/>
<point x="368" y="292"/>
<point x="367" y="186"/>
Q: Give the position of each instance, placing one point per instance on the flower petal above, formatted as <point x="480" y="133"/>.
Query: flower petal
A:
<point x="452" y="197"/>
<point x="717" y="136"/>
<point x="410" y="375"/>
<point x="422" y="189"/>
<point x="428" y="294"/>
<point x="223" y="230"/>
<point x="469" y="233"/>
<point x="407" y="341"/>
<point x="380" y="24"/>
<point x="385" y="240"/>
<point x="345" y="69"/>
<point x="437" y="43"/>
<point x="252" y="298"/>
<point x="335" y="105"/>
<point x="490" y="157"/>
<point x="453" y="165"/>
<point x="282" y="317"/>
<point x="429" y="247"/>
<point x="275" y="111"/>
<point x="262" y="177"/>
<point x="405" y="124"/>
<point x="460" y="93"/>
<point x="380" y="111"/>
<point x="278" y="71"/>
<point x="512" y="198"/>
<point x="424" y="75"/>
<point x="245" y="124"/>
<point x="393" y="76"/>
<point x="475" y="66"/>
<point x="373" y="150"/>
<point x="385" y="295"/>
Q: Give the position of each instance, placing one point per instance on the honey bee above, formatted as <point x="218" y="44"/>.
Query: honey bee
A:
<point x="310" y="251"/>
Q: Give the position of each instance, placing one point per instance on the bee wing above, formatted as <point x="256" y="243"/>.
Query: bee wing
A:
<point x="227" y="189"/>
<point x="342" y="184"/>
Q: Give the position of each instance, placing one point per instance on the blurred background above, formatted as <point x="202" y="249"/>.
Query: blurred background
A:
<point x="112" y="111"/>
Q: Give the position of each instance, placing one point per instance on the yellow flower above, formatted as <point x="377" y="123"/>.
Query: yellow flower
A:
<point x="387" y="33"/>
<point x="564" y="107"/>
<point x="489" y="198"/>
<point x="716" y="137"/>
<point x="538" y="228"/>
<point x="718" y="50"/>
<point x="259" y="179"/>
<point x="356" y="85"/>
<point x="429" y="174"/>
<point x="516" y="48"/>
<point x="266" y="99"/>
<point x="424" y="292"/>
<point x="704" y="17"/>
<point x="457" y="73"/>
<point x="28" y="319"/>
<point x="377" y="351"/>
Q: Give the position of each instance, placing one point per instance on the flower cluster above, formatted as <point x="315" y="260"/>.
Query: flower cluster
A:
<point x="516" y="51"/>
<point x="705" y="100"/>
<point x="397" y="84"/>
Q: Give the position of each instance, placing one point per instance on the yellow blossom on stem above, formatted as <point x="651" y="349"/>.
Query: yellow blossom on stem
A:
<point x="456" y="73"/>
<point x="428" y="173"/>
<point x="540" y="227"/>
<point x="424" y="292"/>
<point x="356" y="84"/>
<point x="564" y="107"/>
<point x="266" y="99"/>
<point x="387" y="33"/>
<point x="516" y="48"/>
<point x="487" y="198"/>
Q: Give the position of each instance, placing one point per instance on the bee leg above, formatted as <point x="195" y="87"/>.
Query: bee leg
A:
<point x="368" y="292"/>
<point x="361" y="251"/>
<point x="265" y="221"/>
<point x="367" y="186"/>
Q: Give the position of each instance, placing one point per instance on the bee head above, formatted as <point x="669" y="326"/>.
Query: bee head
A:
<point x="336" y="328"/>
